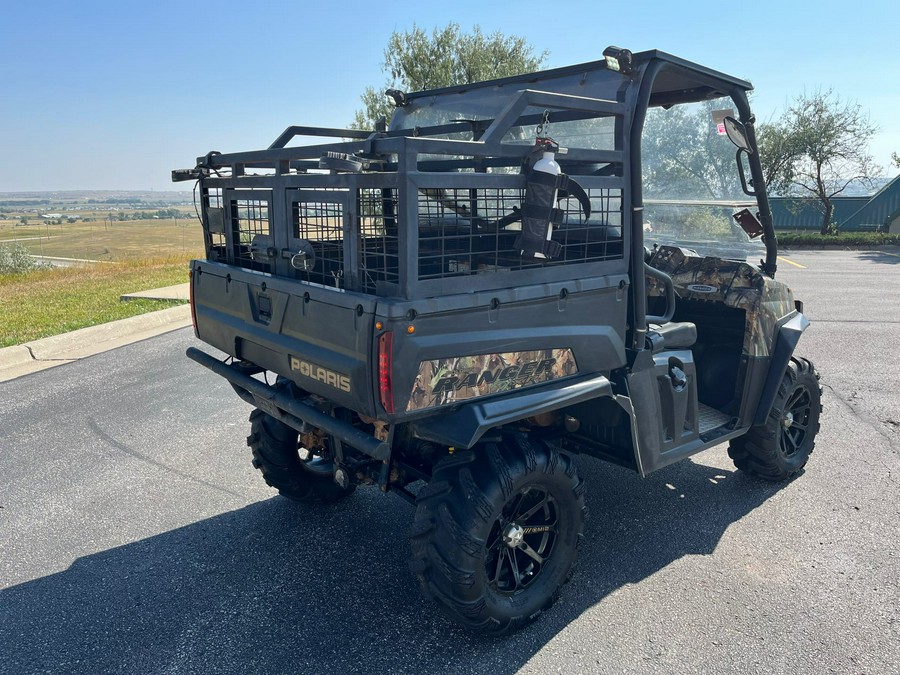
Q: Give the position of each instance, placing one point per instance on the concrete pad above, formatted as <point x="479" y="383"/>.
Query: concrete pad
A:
<point x="176" y="292"/>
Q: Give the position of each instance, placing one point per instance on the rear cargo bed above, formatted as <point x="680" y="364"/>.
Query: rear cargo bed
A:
<point x="319" y="337"/>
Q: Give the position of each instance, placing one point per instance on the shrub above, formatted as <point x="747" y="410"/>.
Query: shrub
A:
<point x="863" y="239"/>
<point x="15" y="259"/>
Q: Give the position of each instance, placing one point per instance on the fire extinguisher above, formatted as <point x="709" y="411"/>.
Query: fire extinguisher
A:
<point x="545" y="185"/>
<point x="547" y="164"/>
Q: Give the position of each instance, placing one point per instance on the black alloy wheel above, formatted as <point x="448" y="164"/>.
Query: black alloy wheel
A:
<point x="522" y="540"/>
<point x="497" y="532"/>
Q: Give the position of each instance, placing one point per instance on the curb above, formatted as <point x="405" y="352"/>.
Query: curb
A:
<point x="176" y="292"/>
<point x="15" y="356"/>
<point x="59" y="349"/>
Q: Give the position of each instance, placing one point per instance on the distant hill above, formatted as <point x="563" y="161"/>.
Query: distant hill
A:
<point x="92" y="197"/>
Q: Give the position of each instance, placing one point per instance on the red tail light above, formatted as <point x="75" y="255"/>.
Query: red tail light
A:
<point x="385" y="371"/>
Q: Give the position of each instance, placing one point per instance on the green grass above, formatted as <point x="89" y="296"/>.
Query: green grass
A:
<point x="48" y="302"/>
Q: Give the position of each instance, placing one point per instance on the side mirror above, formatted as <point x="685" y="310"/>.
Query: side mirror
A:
<point x="737" y="134"/>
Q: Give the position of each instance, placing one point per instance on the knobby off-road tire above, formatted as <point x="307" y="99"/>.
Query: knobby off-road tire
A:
<point x="469" y="517"/>
<point x="781" y="447"/>
<point x="276" y="454"/>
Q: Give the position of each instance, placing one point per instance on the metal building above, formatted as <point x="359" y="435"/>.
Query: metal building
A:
<point x="878" y="212"/>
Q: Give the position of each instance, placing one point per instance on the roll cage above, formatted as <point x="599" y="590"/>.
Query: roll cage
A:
<point x="472" y="135"/>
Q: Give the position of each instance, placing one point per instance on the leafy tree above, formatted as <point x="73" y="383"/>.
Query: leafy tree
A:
<point x="684" y="157"/>
<point x="895" y="158"/>
<point x="414" y="61"/>
<point x="776" y="152"/>
<point x="817" y="149"/>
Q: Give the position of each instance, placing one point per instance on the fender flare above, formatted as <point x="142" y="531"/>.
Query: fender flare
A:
<point x="785" y="342"/>
<point x="464" y="426"/>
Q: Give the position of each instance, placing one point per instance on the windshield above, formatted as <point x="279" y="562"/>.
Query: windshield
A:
<point x="469" y="112"/>
<point x="485" y="102"/>
<point x="691" y="183"/>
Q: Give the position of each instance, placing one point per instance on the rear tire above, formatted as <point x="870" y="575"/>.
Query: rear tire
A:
<point x="276" y="453"/>
<point x="780" y="448"/>
<point x="497" y="531"/>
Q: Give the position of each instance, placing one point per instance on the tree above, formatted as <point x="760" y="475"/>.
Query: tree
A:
<point x="414" y="61"/>
<point x="817" y="149"/>
<point x="684" y="157"/>
<point x="776" y="152"/>
<point x="895" y="158"/>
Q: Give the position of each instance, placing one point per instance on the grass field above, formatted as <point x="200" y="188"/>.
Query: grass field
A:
<point x="148" y="254"/>
<point x="48" y="302"/>
<point x="116" y="241"/>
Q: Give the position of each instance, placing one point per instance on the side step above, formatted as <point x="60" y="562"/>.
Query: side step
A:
<point x="708" y="418"/>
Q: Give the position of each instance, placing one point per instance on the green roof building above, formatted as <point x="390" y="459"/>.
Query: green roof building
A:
<point x="878" y="212"/>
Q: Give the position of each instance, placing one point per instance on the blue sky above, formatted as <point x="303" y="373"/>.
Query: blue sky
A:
<point x="113" y="95"/>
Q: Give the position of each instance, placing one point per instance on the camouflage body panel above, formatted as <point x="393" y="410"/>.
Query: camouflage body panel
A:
<point x="460" y="378"/>
<point x="732" y="283"/>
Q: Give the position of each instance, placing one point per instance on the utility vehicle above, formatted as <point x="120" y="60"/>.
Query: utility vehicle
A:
<point x="508" y="276"/>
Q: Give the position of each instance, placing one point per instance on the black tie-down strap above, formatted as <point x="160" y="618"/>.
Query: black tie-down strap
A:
<point x="539" y="212"/>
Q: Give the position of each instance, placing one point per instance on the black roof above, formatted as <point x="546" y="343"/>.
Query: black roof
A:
<point x="674" y="82"/>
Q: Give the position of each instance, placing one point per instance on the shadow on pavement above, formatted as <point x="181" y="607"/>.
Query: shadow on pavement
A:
<point x="278" y="587"/>
<point x="885" y="257"/>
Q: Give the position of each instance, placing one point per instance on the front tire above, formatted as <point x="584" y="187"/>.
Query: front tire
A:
<point x="497" y="531"/>
<point x="780" y="448"/>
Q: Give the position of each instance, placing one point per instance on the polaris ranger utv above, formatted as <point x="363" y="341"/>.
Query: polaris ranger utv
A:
<point x="510" y="274"/>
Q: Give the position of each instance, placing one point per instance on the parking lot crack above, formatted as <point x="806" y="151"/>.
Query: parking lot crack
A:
<point x="109" y="440"/>
<point x="872" y="422"/>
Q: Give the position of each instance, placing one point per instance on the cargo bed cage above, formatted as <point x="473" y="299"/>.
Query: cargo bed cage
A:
<point x="426" y="212"/>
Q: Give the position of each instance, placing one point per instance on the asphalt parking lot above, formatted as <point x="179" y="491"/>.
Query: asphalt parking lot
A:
<point x="135" y="537"/>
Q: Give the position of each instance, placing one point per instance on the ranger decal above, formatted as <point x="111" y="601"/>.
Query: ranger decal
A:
<point x="450" y="380"/>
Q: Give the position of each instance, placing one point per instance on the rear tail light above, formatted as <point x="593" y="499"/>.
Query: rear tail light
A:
<point x="385" y="371"/>
<point x="191" y="296"/>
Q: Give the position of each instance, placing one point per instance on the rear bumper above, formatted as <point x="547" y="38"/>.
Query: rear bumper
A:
<point x="288" y="410"/>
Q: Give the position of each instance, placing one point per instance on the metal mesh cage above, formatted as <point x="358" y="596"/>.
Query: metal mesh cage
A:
<point x="251" y="232"/>
<point x="214" y="223"/>
<point x="379" y="251"/>
<point x="317" y="217"/>
<point x="350" y="238"/>
<point x="468" y="231"/>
